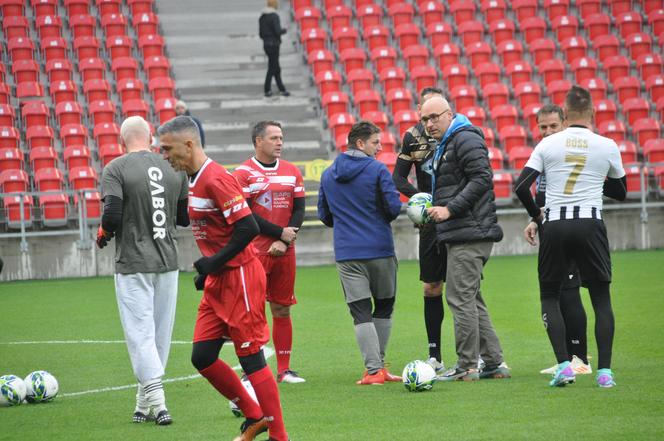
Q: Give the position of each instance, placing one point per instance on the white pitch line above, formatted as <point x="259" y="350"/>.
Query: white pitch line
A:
<point x="78" y="342"/>
<point x="267" y="351"/>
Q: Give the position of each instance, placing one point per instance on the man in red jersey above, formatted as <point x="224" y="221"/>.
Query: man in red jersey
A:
<point x="232" y="279"/>
<point x="274" y="189"/>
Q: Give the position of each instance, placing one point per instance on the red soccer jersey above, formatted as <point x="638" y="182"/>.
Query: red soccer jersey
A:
<point x="272" y="191"/>
<point x="215" y="204"/>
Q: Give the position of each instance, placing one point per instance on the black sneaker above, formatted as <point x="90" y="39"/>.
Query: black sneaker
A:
<point x="500" y="371"/>
<point x="163" y="418"/>
<point x="140" y="417"/>
<point x="458" y="374"/>
<point x="251" y="428"/>
<point x="285" y="93"/>
<point x="268" y="94"/>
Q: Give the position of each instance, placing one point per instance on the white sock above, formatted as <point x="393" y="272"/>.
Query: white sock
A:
<point x="154" y="394"/>
<point x="141" y="401"/>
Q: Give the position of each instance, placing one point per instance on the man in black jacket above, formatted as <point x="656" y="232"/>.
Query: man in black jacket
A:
<point x="465" y="212"/>
<point x="270" y="31"/>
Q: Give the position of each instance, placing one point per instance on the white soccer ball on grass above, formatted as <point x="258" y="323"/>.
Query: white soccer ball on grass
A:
<point x="12" y="390"/>
<point x="41" y="387"/>
<point x="418" y="376"/>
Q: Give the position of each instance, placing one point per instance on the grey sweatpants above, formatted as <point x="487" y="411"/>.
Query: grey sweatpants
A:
<point x="473" y="330"/>
<point x="146" y="302"/>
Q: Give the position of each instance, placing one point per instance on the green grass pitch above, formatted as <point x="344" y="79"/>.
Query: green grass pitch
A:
<point x="330" y="406"/>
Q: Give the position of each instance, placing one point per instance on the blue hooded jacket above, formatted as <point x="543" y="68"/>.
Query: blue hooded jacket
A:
<point x="359" y="200"/>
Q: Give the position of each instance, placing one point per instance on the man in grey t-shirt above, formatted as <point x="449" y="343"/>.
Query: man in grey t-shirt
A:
<point x="144" y="199"/>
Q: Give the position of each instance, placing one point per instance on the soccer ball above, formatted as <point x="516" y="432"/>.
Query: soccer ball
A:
<point x="418" y="376"/>
<point x="41" y="387"/>
<point x="247" y="385"/>
<point x="417" y="208"/>
<point x="12" y="390"/>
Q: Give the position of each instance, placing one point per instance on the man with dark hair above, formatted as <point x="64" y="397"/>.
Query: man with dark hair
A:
<point x="232" y="279"/>
<point x="417" y="150"/>
<point x="578" y="174"/>
<point x="357" y="198"/>
<point x="274" y="189"/>
<point x="465" y="212"/>
<point x="550" y="121"/>
<point x="143" y="201"/>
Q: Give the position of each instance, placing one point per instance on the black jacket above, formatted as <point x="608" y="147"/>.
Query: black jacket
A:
<point x="269" y="27"/>
<point x="464" y="184"/>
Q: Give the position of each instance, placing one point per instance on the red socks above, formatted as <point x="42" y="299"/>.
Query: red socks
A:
<point x="267" y="393"/>
<point x="282" y="337"/>
<point x="225" y="380"/>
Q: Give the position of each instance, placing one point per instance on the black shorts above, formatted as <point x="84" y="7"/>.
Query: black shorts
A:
<point x="582" y="241"/>
<point x="572" y="279"/>
<point x="433" y="256"/>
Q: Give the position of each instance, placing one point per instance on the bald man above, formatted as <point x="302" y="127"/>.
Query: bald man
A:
<point x="465" y="214"/>
<point x="144" y="198"/>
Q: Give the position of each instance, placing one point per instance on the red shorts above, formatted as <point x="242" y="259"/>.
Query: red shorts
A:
<point x="280" y="273"/>
<point x="233" y="307"/>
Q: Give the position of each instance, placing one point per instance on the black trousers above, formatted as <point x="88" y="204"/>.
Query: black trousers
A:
<point x="273" y="68"/>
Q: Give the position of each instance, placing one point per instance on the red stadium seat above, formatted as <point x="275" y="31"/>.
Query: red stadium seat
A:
<point x="161" y="88"/>
<point x="616" y="66"/>
<point x="96" y="90"/>
<point x="165" y="109"/>
<point x="405" y="119"/>
<point x="25" y="71"/>
<point x="353" y="58"/>
<point x="513" y="136"/>
<point x="496" y="158"/>
<point x="369" y="15"/>
<point x="479" y="53"/>
<point x="383" y="58"/>
<point x="401" y="13"/>
<point x="659" y="179"/>
<point x="439" y="33"/>
<point x="63" y="91"/>
<point x="605" y="110"/>
<point x="314" y="39"/>
<point x="424" y="76"/>
<point x="77" y="7"/>
<point x="339" y="16"/>
<point x="649" y="65"/>
<point x="12" y="8"/>
<point x="387" y="141"/>
<point x="584" y="68"/>
<point x="447" y="53"/>
<point x="653" y="150"/>
<point x="102" y="111"/>
<point x="49" y="179"/>
<point x="487" y="73"/>
<point x="135" y="107"/>
<point x="4" y="92"/>
<point x="92" y="205"/>
<point x="518" y="157"/>
<point x="127" y="67"/>
<point x="646" y="129"/>
<point x="392" y="78"/>
<point x="341" y="142"/>
<point x="496" y="94"/>
<point x="597" y="25"/>
<point x="504" y="115"/>
<point x="510" y="51"/>
<point x="328" y="81"/>
<point x="655" y="87"/>
<point x="54" y="49"/>
<point x="533" y="29"/>
<point x="627" y="151"/>
<point x="7" y="115"/>
<point x="399" y="99"/>
<point x="360" y="79"/>
<point x="83" y="178"/>
<point x="502" y="187"/>
<point x="573" y="48"/>
<point x="542" y="49"/>
<point x="376" y="36"/>
<point x="35" y="113"/>
<point x="455" y="75"/>
<point x="345" y="38"/>
<point x="335" y="102"/>
<point x="464" y="96"/>
<point x="627" y="87"/>
<point x="556" y="8"/>
<point x="92" y="69"/>
<point x="9" y="137"/>
<point x="475" y="114"/>
<point x="416" y="55"/>
<point x="43" y="157"/>
<point x="20" y="48"/>
<point x="530" y="115"/>
<point x="407" y="35"/>
<point x="106" y="133"/>
<point x="656" y="21"/>
<point x="557" y="90"/>
<point x="307" y="17"/>
<point x="588" y="7"/>
<point x="13" y="212"/>
<point x="462" y="11"/>
<point x="109" y="152"/>
<point x="387" y="158"/>
<point x="552" y="70"/>
<point x="59" y="70"/>
<point x="119" y="46"/>
<point x="13" y="181"/>
<point x="29" y="90"/>
<point x="613" y="129"/>
<point x="82" y="25"/>
<point x="48" y="26"/>
<point x="54" y="208"/>
<point x="471" y="31"/>
<point x="39" y="136"/>
<point x="114" y="25"/>
<point x="524" y="9"/>
<point x="73" y="134"/>
<point x="340" y="124"/>
<point x="15" y="26"/>
<point x="638" y="44"/>
<point x="519" y="72"/>
<point x="145" y="24"/>
<point x="489" y="136"/>
<point x="629" y="23"/>
<point x="321" y="61"/>
<point x="86" y="48"/>
<point x="634" y="186"/>
<point x="431" y="12"/>
<point x="130" y="89"/>
<point x="10" y="159"/>
<point x="597" y="88"/>
<point x="151" y="45"/>
<point x="565" y="26"/>
<point x="606" y="46"/>
<point x="377" y="117"/>
<point x="140" y="6"/>
<point x="77" y="156"/>
<point x="108" y="7"/>
<point x="493" y="10"/>
<point x="659" y="105"/>
<point x="44" y="7"/>
<point x="635" y="108"/>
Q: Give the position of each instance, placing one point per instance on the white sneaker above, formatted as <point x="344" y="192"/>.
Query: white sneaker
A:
<point x="290" y="377"/>
<point x="481" y="364"/>
<point x="579" y="367"/>
<point x="438" y="366"/>
<point x="549" y="371"/>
